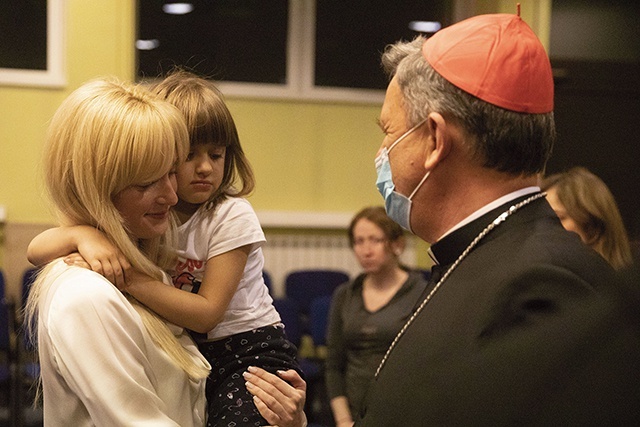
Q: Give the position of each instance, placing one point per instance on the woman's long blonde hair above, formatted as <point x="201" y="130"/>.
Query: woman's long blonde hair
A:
<point x="106" y="136"/>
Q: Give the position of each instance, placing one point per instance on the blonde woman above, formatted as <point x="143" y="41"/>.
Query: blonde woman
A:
<point x="585" y="205"/>
<point x="110" y="162"/>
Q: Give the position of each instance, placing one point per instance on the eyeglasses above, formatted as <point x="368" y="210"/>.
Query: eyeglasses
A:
<point x="370" y="241"/>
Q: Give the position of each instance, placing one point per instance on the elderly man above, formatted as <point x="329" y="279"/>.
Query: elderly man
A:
<point x="520" y="323"/>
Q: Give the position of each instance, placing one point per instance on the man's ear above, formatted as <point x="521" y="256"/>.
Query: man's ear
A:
<point x="439" y="142"/>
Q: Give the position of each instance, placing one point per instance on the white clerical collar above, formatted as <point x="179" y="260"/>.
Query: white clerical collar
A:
<point x="487" y="208"/>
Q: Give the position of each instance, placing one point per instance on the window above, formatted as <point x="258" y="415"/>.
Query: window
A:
<point x="23" y="42"/>
<point x="351" y="35"/>
<point x="32" y="43"/>
<point x="296" y="49"/>
<point x="224" y="39"/>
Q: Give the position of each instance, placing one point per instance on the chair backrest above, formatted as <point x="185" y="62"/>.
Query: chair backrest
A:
<point x="290" y="316"/>
<point x="303" y="286"/>
<point x="28" y="277"/>
<point x="2" y="285"/>
<point x="5" y="334"/>
<point x="5" y="327"/>
<point x="5" y="341"/>
<point x="319" y="319"/>
<point x="27" y="280"/>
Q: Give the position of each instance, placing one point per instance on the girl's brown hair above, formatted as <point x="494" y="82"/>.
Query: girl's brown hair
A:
<point x="209" y="121"/>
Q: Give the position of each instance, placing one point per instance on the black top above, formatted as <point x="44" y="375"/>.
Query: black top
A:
<point x="527" y="330"/>
<point x="357" y="339"/>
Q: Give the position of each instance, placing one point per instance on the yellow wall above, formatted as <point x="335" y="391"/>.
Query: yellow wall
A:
<point x="310" y="156"/>
<point x="307" y="156"/>
<point x="98" y="39"/>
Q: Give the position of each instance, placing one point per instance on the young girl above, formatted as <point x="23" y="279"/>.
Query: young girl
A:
<point x="220" y="258"/>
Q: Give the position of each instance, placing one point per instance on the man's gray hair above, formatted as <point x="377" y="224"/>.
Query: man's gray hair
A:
<point x="504" y="140"/>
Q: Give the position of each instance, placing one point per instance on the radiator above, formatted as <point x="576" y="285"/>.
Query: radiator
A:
<point x="288" y="252"/>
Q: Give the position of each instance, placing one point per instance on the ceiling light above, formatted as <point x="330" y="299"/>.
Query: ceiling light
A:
<point x="147" y="44"/>
<point x="177" y="8"/>
<point x="425" y="26"/>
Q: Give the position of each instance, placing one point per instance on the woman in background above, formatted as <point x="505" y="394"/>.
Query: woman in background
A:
<point x="585" y="205"/>
<point x="367" y="313"/>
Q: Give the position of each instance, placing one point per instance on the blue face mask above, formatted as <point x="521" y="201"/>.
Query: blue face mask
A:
<point x="398" y="206"/>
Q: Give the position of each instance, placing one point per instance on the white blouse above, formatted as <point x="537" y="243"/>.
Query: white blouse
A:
<point x="99" y="365"/>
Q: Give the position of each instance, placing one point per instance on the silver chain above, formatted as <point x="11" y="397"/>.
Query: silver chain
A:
<point x="500" y="219"/>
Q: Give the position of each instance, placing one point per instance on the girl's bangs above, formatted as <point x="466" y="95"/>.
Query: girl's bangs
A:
<point x="208" y="125"/>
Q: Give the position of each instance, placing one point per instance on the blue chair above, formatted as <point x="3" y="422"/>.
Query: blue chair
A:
<point x="8" y="380"/>
<point x="5" y="334"/>
<point x="30" y="366"/>
<point x="290" y="316"/>
<point x="304" y="286"/>
<point x="315" y="366"/>
<point x="304" y="310"/>
<point x="319" y="319"/>
<point x="28" y="277"/>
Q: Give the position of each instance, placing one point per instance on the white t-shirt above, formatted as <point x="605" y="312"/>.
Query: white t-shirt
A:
<point x="230" y="225"/>
<point x="99" y="365"/>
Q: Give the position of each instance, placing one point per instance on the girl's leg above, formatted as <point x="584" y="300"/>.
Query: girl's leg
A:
<point x="228" y="401"/>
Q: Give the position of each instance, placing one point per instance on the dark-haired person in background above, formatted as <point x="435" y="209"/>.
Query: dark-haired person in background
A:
<point x="585" y="205"/>
<point x="367" y="313"/>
